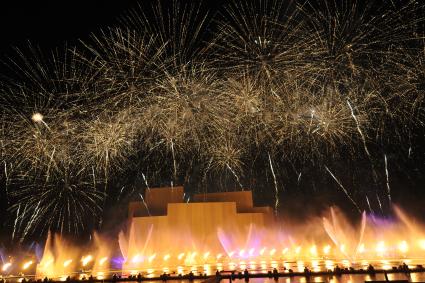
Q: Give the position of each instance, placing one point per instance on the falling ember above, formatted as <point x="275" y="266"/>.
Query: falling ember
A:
<point x="180" y="256"/>
<point x="166" y="257"/>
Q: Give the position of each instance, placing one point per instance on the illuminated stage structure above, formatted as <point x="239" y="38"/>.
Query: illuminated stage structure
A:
<point x="225" y="231"/>
<point x="164" y="230"/>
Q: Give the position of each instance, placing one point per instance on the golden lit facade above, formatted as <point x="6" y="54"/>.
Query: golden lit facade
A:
<point x="167" y="228"/>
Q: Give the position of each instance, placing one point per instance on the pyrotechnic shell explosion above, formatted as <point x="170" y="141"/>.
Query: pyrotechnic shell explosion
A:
<point x="192" y="97"/>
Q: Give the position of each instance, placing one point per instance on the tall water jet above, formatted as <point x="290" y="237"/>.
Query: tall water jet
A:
<point x="343" y="235"/>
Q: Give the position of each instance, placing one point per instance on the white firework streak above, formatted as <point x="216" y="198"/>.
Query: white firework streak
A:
<point x="145" y="204"/>
<point x="368" y="204"/>
<point x="16" y="222"/>
<point x="343" y="189"/>
<point x="374" y="175"/>
<point x="234" y="174"/>
<point x="174" y="159"/>
<point x="379" y="202"/>
<point x="276" y="195"/>
<point x="146" y="181"/>
<point x="387" y="178"/>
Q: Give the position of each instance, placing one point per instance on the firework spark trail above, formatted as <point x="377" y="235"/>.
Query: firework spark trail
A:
<point x="387" y="179"/>
<point x="374" y="174"/>
<point x="276" y="195"/>
<point x="32" y="220"/>
<point x="16" y="222"/>
<point x="145" y="204"/>
<point x="235" y="175"/>
<point x="50" y="163"/>
<point x="7" y="182"/>
<point x="379" y="203"/>
<point x="5" y="173"/>
<point x="146" y="181"/>
<point x="359" y="130"/>
<point x="174" y="160"/>
<point x="368" y="204"/>
<point x="343" y="189"/>
<point x="94" y="179"/>
<point x="121" y="191"/>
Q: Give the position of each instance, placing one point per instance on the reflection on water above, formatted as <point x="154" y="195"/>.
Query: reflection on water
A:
<point x="300" y="266"/>
<point x="351" y="278"/>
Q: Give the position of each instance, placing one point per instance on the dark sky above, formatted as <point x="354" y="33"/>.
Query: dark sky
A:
<point x="50" y="23"/>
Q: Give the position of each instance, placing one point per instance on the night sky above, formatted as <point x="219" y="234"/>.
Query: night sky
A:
<point x="49" y="24"/>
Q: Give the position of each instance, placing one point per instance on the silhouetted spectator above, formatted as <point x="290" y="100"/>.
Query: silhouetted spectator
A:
<point x="191" y="275"/>
<point x="405" y="267"/>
